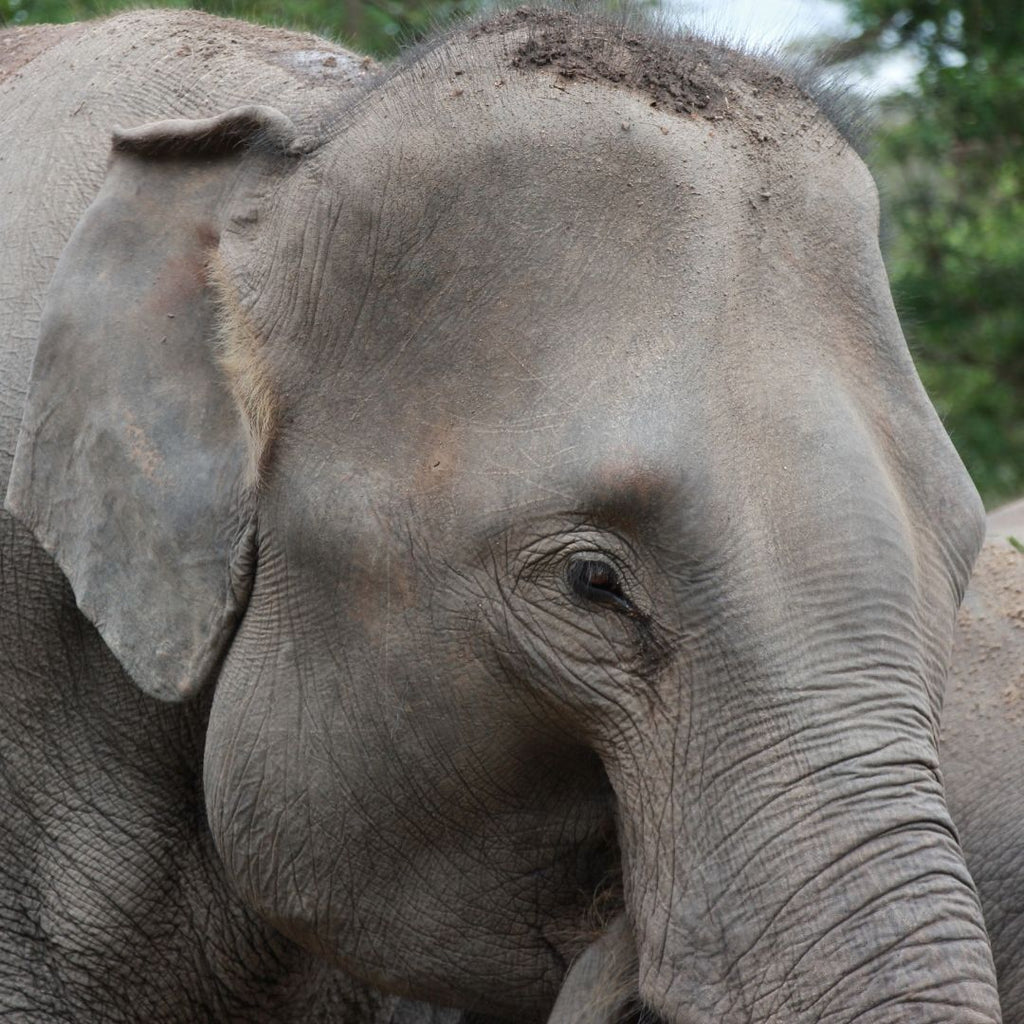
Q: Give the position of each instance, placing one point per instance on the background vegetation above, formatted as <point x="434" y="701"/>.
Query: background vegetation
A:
<point x="949" y="157"/>
<point x="950" y="160"/>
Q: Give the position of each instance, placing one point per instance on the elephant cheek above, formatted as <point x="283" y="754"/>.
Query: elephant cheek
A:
<point x="257" y="780"/>
<point x="236" y="777"/>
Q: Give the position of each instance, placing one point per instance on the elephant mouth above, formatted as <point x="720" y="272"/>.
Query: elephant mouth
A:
<point x="636" y="1013"/>
<point x="601" y="985"/>
<point x="594" y="1008"/>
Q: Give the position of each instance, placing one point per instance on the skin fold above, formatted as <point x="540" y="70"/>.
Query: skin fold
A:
<point x="452" y="510"/>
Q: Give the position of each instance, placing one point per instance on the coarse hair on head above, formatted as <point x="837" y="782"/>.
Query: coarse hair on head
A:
<point x="634" y="47"/>
<point x="240" y="356"/>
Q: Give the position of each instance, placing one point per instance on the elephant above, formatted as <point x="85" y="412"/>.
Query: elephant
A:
<point x="114" y="905"/>
<point x="981" y="743"/>
<point x="460" y="519"/>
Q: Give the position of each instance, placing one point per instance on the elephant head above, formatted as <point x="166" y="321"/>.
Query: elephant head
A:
<point x="529" y="455"/>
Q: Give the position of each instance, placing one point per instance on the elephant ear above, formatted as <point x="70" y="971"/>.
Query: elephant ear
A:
<point x="134" y="457"/>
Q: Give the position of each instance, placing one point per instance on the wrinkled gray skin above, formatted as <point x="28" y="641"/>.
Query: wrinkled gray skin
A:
<point x="559" y="495"/>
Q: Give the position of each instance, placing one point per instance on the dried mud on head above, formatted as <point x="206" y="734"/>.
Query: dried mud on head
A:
<point x="677" y="71"/>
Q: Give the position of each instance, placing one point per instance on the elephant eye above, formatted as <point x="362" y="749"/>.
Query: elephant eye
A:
<point x="594" y="580"/>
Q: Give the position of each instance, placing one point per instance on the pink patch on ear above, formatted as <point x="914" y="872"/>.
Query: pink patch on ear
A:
<point x="179" y="282"/>
<point x="207" y="235"/>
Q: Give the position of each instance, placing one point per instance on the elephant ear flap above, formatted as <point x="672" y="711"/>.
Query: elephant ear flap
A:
<point x="134" y="460"/>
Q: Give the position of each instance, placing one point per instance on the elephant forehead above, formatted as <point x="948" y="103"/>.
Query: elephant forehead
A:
<point x="496" y="176"/>
<point x="652" y="463"/>
<point x="429" y="231"/>
<point x="493" y="287"/>
<point x="524" y="273"/>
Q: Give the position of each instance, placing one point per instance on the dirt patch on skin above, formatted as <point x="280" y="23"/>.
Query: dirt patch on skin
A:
<point x="678" y="72"/>
<point x="989" y="647"/>
<point x="18" y="46"/>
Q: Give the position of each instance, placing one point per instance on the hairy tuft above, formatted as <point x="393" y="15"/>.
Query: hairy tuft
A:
<point x="241" y="359"/>
<point x="601" y="985"/>
<point x="634" y="47"/>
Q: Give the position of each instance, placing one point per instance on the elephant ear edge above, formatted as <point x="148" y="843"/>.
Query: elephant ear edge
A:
<point x="139" y="446"/>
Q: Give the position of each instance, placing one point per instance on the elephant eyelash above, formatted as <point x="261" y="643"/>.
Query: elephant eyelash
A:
<point x="583" y="566"/>
<point x="597" y="581"/>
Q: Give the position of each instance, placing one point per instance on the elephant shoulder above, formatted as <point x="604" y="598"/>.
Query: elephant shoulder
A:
<point x="983" y="713"/>
<point x="145" y="65"/>
<point x="224" y="62"/>
<point x="983" y="733"/>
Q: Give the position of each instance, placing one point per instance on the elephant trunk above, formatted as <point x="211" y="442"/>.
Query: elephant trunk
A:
<point x="844" y="896"/>
<point x="914" y="951"/>
<point x="787" y="851"/>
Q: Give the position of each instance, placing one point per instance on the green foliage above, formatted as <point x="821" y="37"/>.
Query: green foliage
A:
<point x="377" y="28"/>
<point x="951" y="164"/>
